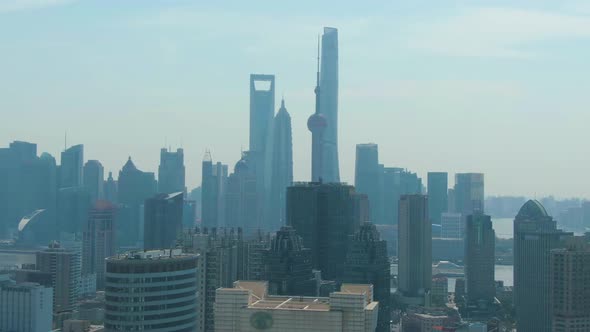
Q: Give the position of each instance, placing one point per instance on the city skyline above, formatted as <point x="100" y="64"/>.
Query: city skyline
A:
<point x="481" y="86"/>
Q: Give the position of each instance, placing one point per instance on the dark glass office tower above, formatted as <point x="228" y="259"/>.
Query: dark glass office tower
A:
<point x="329" y="103"/>
<point x="282" y="168"/>
<point x="367" y="263"/>
<point x="288" y="266"/>
<point x="325" y="215"/>
<point x="480" y="240"/>
<point x="171" y="172"/>
<point x="535" y="235"/>
<point x="367" y="178"/>
<point x="163" y="221"/>
<point x="437" y="195"/>
<point x="414" y="249"/>
<point x="397" y="182"/>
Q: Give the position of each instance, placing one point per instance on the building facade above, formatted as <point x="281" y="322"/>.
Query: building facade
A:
<point x="71" y="168"/>
<point x="171" y="172"/>
<point x="414" y="250"/>
<point x="282" y="168"/>
<point x="64" y="266"/>
<point x="469" y="193"/>
<point x="367" y="263"/>
<point x="26" y="307"/>
<point x="94" y="180"/>
<point x="325" y="215"/>
<point x="152" y="290"/>
<point x="570" y="286"/>
<point x="248" y="307"/>
<point x="535" y="235"/>
<point x="480" y="240"/>
<point x="213" y="186"/>
<point x="367" y="178"/>
<point x="163" y="220"/>
<point x="99" y="241"/>
<point x="437" y="195"/>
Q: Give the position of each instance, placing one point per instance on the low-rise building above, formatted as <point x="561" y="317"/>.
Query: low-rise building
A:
<point x="248" y="307"/>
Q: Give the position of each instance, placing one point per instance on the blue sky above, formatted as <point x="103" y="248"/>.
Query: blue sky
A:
<point x="499" y="87"/>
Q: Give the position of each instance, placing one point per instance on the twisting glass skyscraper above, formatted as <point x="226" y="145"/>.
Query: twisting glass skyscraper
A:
<point x="329" y="103"/>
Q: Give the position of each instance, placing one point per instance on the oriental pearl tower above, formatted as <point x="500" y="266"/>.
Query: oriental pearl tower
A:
<point x="317" y="124"/>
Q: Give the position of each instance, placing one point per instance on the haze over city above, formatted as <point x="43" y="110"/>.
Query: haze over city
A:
<point x="495" y="87"/>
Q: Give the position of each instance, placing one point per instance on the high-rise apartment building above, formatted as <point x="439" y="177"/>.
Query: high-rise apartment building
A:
<point x="368" y="176"/>
<point x="324" y="215"/>
<point x="414" y="250"/>
<point x="437" y="195"/>
<point x="367" y="263"/>
<point x="94" y="180"/>
<point x="480" y="260"/>
<point x="328" y="103"/>
<point x="171" y="172"/>
<point x="71" y="168"/>
<point x="469" y="193"/>
<point x="287" y="265"/>
<point x="248" y="307"/>
<point x="282" y="168"/>
<point x="153" y="290"/>
<point x="569" y="286"/>
<point x="99" y="240"/>
<point x="26" y="307"/>
<point x="213" y="186"/>
<point x="535" y="235"/>
<point x="162" y="220"/>
<point x="64" y="265"/>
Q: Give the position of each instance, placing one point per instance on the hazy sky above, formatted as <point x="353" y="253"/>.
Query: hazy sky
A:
<point x="499" y="87"/>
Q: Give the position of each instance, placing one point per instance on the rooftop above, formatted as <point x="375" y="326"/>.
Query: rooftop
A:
<point x="151" y="255"/>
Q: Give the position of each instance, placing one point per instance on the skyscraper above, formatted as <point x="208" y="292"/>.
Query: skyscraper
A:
<point x="29" y="183"/>
<point x="367" y="263"/>
<point x="367" y="177"/>
<point x="569" y="286"/>
<point x="99" y="240"/>
<point x="480" y="240"/>
<point x="71" y="168"/>
<point x="73" y="204"/>
<point x="262" y="105"/>
<point x="94" y="180"/>
<point x="262" y="108"/>
<point x="414" y="250"/>
<point x="469" y="193"/>
<point x="535" y="235"/>
<point x="134" y="187"/>
<point x="329" y="103"/>
<point x="163" y="221"/>
<point x="437" y="195"/>
<point x="213" y="186"/>
<point x="395" y="183"/>
<point x="282" y="167"/>
<point x="171" y="171"/>
<point x="65" y="269"/>
<point x="110" y="189"/>
<point x="243" y="204"/>
<point x="288" y="266"/>
<point x="324" y="215"/>
<point x="164" y="298"/>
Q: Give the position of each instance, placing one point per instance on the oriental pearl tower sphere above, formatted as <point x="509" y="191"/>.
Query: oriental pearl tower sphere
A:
<point x="317" y="124"/>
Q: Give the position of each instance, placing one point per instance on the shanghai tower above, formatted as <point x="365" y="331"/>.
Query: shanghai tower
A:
<point x="329" y="104"/>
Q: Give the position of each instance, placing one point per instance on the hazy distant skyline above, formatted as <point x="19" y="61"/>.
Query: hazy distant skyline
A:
<point x="457" y="86"/>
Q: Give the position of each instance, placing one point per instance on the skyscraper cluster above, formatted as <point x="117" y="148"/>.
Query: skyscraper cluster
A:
<point x="252" y="249"/>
